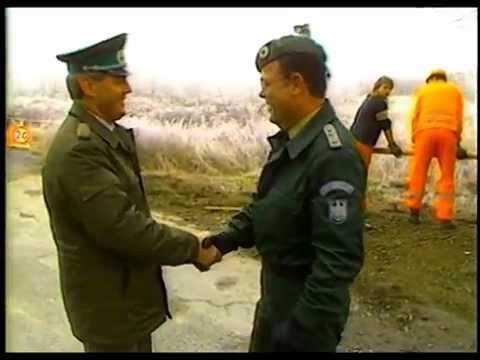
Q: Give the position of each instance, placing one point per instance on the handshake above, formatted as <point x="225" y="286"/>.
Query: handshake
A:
<point x="208" y="254"/>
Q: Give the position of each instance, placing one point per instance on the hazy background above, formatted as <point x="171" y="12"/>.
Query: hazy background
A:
<point x="216" y="47"/>
<point x="195" y="105"/>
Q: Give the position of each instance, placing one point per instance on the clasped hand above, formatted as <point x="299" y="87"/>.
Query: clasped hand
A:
<point x="207" y="256"/>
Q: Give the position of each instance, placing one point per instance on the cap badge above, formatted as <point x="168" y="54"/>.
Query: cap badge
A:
<point x="264" y="52"/>
<point x="120" y="57"/>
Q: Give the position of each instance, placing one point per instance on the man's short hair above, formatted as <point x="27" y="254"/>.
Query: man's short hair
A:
<point x="383" y="80"/>
<point x="73" y="87"/>
<point x="311" y="67"/>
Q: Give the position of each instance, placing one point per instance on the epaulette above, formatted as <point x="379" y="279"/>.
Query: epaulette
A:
<point x="83" y="131"/>
<point x="332" y="136"/>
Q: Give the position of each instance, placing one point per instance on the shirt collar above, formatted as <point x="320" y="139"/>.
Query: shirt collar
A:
<point x="295" y="130"/>
<point x="314" y="127"/>
<point x="318" y="120"/>
<point x="108" y="125"/>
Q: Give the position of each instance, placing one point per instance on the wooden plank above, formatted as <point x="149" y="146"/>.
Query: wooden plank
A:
<point x="386" y="151"/>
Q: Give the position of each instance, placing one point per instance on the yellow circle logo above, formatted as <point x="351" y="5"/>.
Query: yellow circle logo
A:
<point x="18" y="135"/>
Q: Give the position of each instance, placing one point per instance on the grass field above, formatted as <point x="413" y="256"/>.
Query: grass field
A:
<point x="203" y="152"/>
<point x="220" y="135"/>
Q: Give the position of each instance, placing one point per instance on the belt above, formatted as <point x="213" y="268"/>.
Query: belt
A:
<point x="298" y="273"/>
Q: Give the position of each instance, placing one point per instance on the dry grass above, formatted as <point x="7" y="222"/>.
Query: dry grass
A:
<point x="218" y="135"/>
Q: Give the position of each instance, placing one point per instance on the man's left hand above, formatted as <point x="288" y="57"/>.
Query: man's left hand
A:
<point x="221" y="241"/>
<point x="395" y="149"/>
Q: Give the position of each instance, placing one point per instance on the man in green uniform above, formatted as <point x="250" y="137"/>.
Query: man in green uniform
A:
<point x="110" y="250"/>
<point x="306" y="218"/>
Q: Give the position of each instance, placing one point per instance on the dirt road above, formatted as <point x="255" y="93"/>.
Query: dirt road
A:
<point x="402" y="301"/>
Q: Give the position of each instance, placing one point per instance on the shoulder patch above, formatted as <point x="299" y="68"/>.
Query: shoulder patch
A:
<point x="338" y="210"/>
<point x="336" y="185"/>
<point x="382" y="115"/>
<point x="83" y="131"/>
<point x="332" y="136"/>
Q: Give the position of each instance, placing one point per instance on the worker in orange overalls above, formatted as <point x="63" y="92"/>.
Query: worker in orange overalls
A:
<point x="437" y="124"/>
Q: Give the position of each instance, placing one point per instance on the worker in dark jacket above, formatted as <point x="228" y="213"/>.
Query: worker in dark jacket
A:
<point x="306" y="218"/>
<point x="372" y="118"/>
<point x="110" y="250"/>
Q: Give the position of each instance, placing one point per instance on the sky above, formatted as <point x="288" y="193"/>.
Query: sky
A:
<point x="216" y="47"/>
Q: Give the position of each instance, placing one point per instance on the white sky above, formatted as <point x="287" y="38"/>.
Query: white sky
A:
<point x="217" y="46"/>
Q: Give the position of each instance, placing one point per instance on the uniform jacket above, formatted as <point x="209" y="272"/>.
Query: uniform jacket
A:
<point x="109" y="248"/>
<point x="307" y="213"/>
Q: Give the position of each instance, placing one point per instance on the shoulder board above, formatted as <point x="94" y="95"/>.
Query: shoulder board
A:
<point x="332" y="136"/>
<point x="83" y="131"/>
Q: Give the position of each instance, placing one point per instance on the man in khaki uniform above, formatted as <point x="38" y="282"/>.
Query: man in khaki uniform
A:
<point x="110" y="250"/>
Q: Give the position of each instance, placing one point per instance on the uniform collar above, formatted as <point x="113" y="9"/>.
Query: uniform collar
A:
<point x="77" y="110"/>
<point x="311" y="130"/>
<point x="278" y="140"/>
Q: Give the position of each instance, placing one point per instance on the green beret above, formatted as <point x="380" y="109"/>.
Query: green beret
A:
<point x="291" y="44"/>
<point x="105" y="56"/>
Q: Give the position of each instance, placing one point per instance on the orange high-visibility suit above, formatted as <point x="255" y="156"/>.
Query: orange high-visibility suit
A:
<point x="437" y="124"/>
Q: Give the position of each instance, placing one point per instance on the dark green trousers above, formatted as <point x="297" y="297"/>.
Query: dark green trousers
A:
<point x="144" y="345"/>
<point x="279" y="295"/>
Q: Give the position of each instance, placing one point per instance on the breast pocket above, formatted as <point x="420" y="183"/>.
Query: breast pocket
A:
<point x="278" y="221"/>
